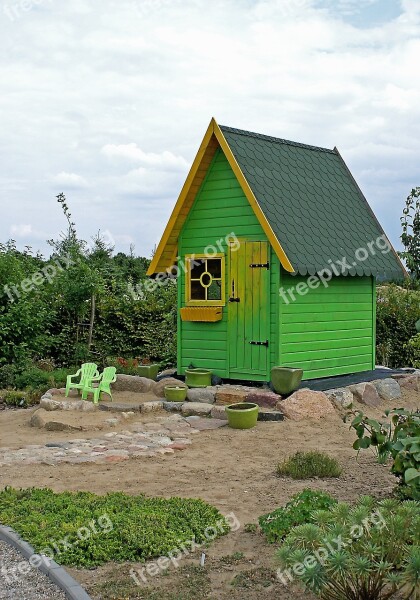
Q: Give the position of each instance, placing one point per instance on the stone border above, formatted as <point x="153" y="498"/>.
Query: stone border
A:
<point x="72" y="589"/>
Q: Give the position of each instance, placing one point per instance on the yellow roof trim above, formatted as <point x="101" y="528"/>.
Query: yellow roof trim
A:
<point x="166" y="252"/>
<point x="278" y="249"/>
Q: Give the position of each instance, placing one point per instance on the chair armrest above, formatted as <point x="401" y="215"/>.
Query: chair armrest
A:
<point x="75" y="375"/>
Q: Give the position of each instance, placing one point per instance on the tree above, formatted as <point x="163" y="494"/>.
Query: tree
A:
<point x="410" y="236"/>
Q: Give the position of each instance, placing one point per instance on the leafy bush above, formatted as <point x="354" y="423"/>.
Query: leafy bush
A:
<point x="400" y="439"/>
<point x="366" y="552"/>
<point x="304" y="465"/>
<point x="128" y="528"/>
<point x="413" y="348"/>
<point x="299" y="510"/>
<point x="7" y="376"/>
<point x="397" y="311"/>
<point x="13" y="398"/>
<point x="32" y="377"/>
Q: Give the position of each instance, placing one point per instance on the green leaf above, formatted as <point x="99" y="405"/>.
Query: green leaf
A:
<point x="411" y="474"/>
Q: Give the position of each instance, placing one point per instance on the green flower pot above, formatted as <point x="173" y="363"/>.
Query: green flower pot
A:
<point x="149" y="371"/>
<point x="242" y="415"/>
<point x="173" y="393"/>
<point x="286" y="379"/>
<point x="198" y="378"/>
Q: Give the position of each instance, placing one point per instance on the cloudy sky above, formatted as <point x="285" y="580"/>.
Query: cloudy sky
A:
<point x="107" y="101"/>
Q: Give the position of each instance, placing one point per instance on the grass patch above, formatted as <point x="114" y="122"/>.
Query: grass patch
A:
<point x="187" y="583"/>
<point x="277" y="524"/>
<point x="261" y="576"/>
<point x="304" y="465"/>
<point x="83" y="529"/>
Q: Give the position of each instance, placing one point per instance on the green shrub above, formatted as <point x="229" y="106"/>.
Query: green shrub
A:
<point x="413" y="348"/>
<point x="129" y="528"/>
<point x="299" y="510"/>
<point x="13" y="398"/>
<point x="366" y="552"/>
<point x="398" y="438"/>
<point x="397" y="311"/>
<point x="304" y="465"/>
<point x="7" y="376"/>
<point x="32" y="377"/>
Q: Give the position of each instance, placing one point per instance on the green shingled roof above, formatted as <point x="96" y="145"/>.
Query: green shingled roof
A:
<point x="312" y="203"/>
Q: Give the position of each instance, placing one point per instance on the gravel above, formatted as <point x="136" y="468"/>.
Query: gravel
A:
<point x="32" y="586"/>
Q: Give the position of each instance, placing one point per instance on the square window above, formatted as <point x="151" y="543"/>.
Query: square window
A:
<point x="205" y="280"/>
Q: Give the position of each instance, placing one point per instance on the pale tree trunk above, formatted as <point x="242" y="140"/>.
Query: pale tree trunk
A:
<point x="92" y="320"/>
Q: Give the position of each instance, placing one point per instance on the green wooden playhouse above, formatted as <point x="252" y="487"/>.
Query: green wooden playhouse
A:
<point x="277" y="253"/>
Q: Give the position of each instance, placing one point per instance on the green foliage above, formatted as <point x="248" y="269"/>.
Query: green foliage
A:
<point x="397" y="311"/>
<point x="410" y="236"/>
<point x="128" y="528"/>
<point x="413" y="348"/>
<point x="92" y="306"/>
<point x="14" y="398"/>
<point x="7" y="376"/>
<point x="399" y="438"/>
<point x="299" y="510"/>
<point x="367" y="552"/>
<point x="304" y="465"/>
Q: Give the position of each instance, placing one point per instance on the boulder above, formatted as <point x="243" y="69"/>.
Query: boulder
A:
<point x="119" y="406"/>
<point x="38" y="419"/>
<point x="151" y="406"/>
<point x="228" y="395"/>
<point x="159" y="386"/>
<point x="264" y="398"/>
<point x="388" y="389"/>
<point x="341" y="397"/>
<point x="205" y="395"/>
<point x="306" y="404"/>
<point x="41" y="419"/>
<point x="410" y="382"/>
<point x="365" y="393"/>
<point x="49" y="404"/>
<point x="133" y="383"/>
<point x="172" y="406"/>
<point x="166" y="373"/>
<point x="218" y="412"/>
<point x="199" y="409"/>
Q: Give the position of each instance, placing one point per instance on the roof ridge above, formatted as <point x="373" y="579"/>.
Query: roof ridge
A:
<point x="270" y="138"/>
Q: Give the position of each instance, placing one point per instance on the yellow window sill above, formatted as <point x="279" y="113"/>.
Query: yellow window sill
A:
<point x="209" y="314"/>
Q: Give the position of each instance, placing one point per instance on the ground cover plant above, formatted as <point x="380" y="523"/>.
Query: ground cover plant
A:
<point x="366" y="552"/>
<point x="304" y="465"/>
<point x="276" y="524"/>
<point x="398" y="438"/>
<point x="83" y="529"/>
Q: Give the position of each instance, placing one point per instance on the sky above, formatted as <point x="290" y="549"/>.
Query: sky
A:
<point x="108" y="101"/>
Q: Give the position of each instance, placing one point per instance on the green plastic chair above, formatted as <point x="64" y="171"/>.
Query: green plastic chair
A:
<point x="108" y="376"/>
<point x="87" y="373"/>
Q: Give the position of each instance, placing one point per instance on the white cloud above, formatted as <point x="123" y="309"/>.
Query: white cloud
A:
<point x="165" y="161"/>
<point x="21" y="231"/>
<point x="114" y="96"/>
<point x="70" y="180"/>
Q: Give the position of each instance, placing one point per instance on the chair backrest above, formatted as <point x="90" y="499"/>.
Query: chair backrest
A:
<point x="109" y="375"/>
<point x="89" y="370"/>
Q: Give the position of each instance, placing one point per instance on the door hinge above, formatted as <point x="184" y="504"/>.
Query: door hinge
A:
<point x="259" y="343"/>
<point x="260" y="265"/>
<point x="234" y="300"/>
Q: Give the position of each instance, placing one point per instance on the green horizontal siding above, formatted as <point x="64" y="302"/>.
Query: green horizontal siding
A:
<point x="220" y="208"/>
<point x="330" y="330"/>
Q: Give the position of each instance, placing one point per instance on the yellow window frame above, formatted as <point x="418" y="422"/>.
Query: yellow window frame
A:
<point x="192" y="257"/>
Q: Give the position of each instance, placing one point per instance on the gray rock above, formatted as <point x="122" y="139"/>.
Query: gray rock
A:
<point x="112" y="422"/>
<point x="49" y="404"/>
<point x="219" y="412"/>
<point x="341" y="397"/>
<point x="388" y="389"/>
<point x="199" y="409"/>
<point x="201" y="395"/>
<point x="133" y="383"/>
<point x="172" y="406"/>
<point x="152" y="406"/>
<point x="119" y="407"/>
<point x="366" y="393"/>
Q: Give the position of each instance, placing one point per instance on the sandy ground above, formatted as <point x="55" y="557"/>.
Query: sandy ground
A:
<point x="233" y="470"/>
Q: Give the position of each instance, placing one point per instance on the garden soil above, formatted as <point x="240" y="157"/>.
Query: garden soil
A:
<point x="233" y="470"/>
